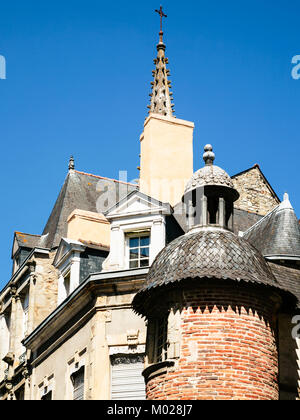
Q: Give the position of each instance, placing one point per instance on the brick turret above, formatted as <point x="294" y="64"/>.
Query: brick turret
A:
<point x="211" y="303"/>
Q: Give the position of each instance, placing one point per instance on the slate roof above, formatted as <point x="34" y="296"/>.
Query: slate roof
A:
<point x="27" y="240"/>
<point x="95" y="193"/>
<point x="206" y="253"/>
<point x="85" y="192"/>
<point x="209" y="175"/>
<point x="243" y="220"/>
<point x="288" y="278"/>
<point x="277" y="235"/>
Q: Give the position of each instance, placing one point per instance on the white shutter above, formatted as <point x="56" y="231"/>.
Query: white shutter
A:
<point x="127" y="382"/>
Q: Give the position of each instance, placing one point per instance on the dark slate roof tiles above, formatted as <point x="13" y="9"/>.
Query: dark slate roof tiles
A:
<point x="85" y="192"/>
<point x="277" y="235"/>
<point x="27" y="240"/>
<point x="288" y="278"/>
<point x="207" y="253"/>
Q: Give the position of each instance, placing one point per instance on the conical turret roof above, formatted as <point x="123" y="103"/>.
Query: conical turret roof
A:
<point x="277" y="235"/>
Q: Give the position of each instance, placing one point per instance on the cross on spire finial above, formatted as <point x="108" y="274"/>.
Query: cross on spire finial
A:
<point x="162" y="15"/>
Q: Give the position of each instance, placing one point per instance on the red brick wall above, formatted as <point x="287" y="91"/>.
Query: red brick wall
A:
<point x="228" y="348"/>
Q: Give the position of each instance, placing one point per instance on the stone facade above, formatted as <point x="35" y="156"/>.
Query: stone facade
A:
<point x="86" y="336"/>
<point x="43" y="290"/>
<point x="256" y="195"/>
<point x="36" y="283"/>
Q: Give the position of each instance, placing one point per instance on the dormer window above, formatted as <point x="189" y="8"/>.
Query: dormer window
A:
<point x="138" y="232"/>
<point x="67" y="261"/>
<point x="139" y="250"/>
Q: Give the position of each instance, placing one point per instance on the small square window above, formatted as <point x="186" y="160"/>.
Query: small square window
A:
<point x="134" y="242"/>
<point x="145" y="241"/>
<point x="144" y="253"/>
<point x="134" y="264"/>
<point x="144" y="263"/>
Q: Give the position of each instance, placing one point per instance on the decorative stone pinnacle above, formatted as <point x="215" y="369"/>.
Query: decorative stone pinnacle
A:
<point x="286" y="197"/>
<point x="209" y="155"/>
<point x="71" y="163"/>
<point x="161" y="102"/>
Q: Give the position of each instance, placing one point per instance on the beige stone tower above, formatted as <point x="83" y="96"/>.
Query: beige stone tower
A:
<point x="167" y="142"/>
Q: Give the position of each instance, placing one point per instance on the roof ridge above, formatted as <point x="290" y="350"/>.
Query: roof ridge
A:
<point x="60" y="200"/>
<point x="23" y="233"/>
<point x="103" y="177"/>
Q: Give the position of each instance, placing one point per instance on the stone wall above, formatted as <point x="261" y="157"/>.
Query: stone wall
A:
<point x="43" y="290"/>
<point x="256" y="196"/>
<point x="288" y="363"/>
<point x="228" y="348"/>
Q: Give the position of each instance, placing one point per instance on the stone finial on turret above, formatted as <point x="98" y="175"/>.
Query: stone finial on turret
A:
<point x="209" y="155"/>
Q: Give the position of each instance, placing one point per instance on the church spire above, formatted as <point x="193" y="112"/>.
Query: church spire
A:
<point x="161" y="97"/>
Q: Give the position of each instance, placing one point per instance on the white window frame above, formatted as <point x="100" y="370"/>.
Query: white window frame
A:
<point x="137" y="234"/>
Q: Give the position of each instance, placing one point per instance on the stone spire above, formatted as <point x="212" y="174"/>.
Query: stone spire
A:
<point x="161" y="97"/>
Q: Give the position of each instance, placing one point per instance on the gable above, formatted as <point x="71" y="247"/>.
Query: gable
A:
<point x="137" y="203"/>
<point x="256" y="194"/>
<point x="64" y="247"/>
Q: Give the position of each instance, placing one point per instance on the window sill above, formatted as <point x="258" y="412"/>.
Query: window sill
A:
<point x="157" y="369"/>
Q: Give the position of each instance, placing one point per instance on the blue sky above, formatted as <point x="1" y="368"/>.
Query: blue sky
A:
<point x="78" y="79"/>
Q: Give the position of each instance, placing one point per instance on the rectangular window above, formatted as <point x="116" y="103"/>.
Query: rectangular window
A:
<point x="25" y="305"/>
<point x="139" y="250"/>
<point x="19" y="394"/>
<point x="67" y="283"/>
<point x="78" y="385"/>
<point x="5" y="336"/>
<point x="161" y="340"/>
